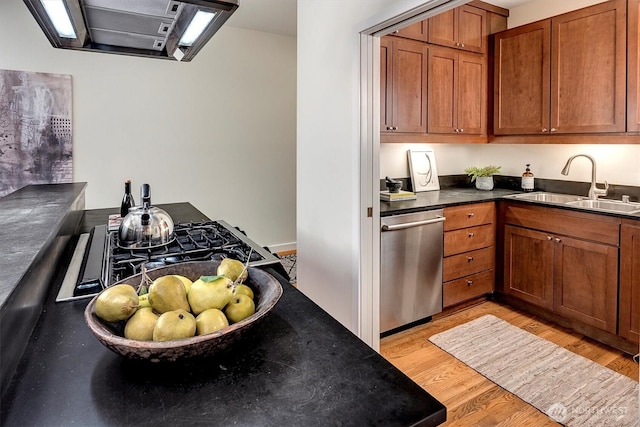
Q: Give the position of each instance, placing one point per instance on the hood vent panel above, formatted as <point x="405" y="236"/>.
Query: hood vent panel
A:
<point x="150" y="28"/>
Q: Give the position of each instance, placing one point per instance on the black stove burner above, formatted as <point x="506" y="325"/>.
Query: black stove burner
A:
<point x="198" y="241"/>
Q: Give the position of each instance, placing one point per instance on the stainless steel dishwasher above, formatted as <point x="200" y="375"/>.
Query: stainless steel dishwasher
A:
<point x="410" y="268"/>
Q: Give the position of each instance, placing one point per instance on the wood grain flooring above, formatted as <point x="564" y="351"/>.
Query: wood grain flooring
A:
<point x="470" y="398"/>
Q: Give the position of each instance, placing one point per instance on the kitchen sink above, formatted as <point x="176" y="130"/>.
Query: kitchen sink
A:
<point x="607" y="205"/>
<point x="541" y="196"/>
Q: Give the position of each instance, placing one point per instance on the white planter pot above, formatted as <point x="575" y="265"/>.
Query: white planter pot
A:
<point x="484" y="183"/>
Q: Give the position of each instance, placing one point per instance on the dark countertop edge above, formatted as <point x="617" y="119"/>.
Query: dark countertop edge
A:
<point x="465" y="195"/>
<point x="22" y="306"/>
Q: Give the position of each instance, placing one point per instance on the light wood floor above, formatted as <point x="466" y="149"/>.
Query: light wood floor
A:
<point x="471" y="399"/>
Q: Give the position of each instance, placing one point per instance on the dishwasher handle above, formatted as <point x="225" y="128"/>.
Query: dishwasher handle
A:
<point x="387" y="227"/>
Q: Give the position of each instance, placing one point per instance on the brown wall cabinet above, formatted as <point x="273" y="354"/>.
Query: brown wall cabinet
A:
<point x="564" y="262"/>
<point x="566" y="75"/>
<point x="464" y="27"/>
<point x="469" y="250"/>
<point x="629" y="315"/>
<point x="403" y="85"/>
<point x="457" y="92"/>
<point x="417" y="31"/>
<point x="633" y="65"/>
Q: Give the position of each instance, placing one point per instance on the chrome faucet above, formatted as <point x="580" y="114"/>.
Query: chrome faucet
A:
<point x="594" y="191"/>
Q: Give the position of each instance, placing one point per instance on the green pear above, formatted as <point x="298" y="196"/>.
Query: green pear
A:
<point x="232" y="268"/>
<point x="167" y="293"/>
<point x="240" y="307"/>
<point x="117" y="303"/>
<point x="210" y="292"/>
<point x="244" y="289"/>
<point x="210" y="320"/>
<point x="140" y="326"/>
<point x="174" y="325"/>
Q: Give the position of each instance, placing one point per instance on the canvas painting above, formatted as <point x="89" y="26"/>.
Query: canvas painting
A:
<point x="35" y="129"/>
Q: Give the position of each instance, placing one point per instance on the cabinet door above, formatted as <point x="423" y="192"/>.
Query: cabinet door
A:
<point x="386" y="94"/>
<point x="462" y="28"/>
<point x="629" y="315"/>
<point x="522" y="80"/>
<point x="472" y="94"/>
<point x="405" y="86"/>
<point x="417" y="31"/>
<point x="633" y="64"/>
<point x="588" y="82"/>
<point x="443" y="78"/>
<point x="586" y="282"/>
<point x="528" y="265"/>
<point x="472" y="33"/>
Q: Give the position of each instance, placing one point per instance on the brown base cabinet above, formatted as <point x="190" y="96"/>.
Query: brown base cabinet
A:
<point x="629" y="316"/>
<point x="469" y="252"/>
<point x="563" y="261"/>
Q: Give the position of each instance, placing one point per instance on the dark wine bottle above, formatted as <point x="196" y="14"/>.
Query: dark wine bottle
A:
<point x="127" y="199"/>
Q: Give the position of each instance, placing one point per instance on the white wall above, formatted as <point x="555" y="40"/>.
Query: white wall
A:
<point x="328" y="162"/>
<point x="616" y="164"/>
<point x="218" y="132"/>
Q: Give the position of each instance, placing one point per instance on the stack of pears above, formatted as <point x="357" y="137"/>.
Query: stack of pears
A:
<point x="175" y="307"/>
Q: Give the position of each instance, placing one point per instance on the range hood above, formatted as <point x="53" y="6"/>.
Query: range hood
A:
<point x="148" y="28"/>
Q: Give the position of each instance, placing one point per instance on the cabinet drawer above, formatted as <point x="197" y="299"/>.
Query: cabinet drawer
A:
<point x="588" y="226"/>
<point x="469" y="215"/>
<point x="468" y="263"/>
<point x="466" y="288"/>
<point x="468" y="239"/>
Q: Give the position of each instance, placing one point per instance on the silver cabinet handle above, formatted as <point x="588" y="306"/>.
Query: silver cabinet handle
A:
<point x="558" y="240"/>
<point x="545" y="130"/>
<point x="549" y="237"/>
<point x="470" y="235"/>
<point x="469" y="258"/>
<point x="553" y="129"/>
<point x="470" y="214"/>
<point x="387" y="227"/>
<point x="469" y="282"/>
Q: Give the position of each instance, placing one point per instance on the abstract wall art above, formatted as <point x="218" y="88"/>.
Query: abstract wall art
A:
<point x="35" y="129"/>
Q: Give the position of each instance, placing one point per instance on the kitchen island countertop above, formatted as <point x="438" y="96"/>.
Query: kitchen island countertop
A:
<point x="299" y="366"/>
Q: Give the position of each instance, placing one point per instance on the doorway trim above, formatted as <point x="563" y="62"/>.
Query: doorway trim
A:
<point x="369" y="265"/>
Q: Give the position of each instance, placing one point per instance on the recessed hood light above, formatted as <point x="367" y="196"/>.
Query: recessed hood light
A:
<point x="149" y="28"/>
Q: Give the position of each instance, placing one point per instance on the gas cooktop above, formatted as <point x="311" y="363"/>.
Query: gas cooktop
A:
<point x="100" y="261"/>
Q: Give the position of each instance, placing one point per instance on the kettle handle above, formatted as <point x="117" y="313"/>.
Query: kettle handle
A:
<point x="145" y="195"/>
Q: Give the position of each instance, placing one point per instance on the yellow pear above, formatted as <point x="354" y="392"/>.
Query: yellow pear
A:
<point x="117" y="303"/>
<point x="239" y="308"/>
<point x="174" y="325"/>
<point x="143" y="301"/>
<point x="185" y="281"/>
<point x="210" y="320"/>
<point x="244" y="289"/>
<point x="210" y="292"/>
<point x="232" y="268"/>
<point x="140" y="326"/>
<point x="167" y="293"/>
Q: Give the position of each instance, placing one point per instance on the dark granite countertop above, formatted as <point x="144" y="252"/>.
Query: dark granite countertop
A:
<point x="454" y="196"/>
<point x="31" y="218"/>
<point x="299" y="366"/>
<point x="428" y="200"/>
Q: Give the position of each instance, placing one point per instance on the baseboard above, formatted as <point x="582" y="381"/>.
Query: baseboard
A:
<point x="283" y="248"/>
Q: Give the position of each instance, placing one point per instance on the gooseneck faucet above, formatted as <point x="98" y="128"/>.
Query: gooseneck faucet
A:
<point x="594" y="191"/>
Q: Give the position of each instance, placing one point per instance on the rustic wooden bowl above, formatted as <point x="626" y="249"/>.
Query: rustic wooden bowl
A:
<point x="267" y="292"/>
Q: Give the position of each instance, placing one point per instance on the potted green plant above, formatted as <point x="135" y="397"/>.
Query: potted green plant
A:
<point x="483" y="176"/>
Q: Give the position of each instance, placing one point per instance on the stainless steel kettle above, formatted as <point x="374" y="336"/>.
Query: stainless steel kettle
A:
<point x="145" y="226"/>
